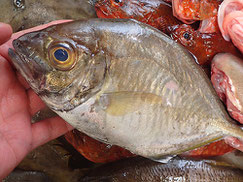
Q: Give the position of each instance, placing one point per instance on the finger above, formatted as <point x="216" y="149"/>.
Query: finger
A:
<point x="47" y="130"/>
<point x="5" y="32"/>
<point x="4" y="48"/>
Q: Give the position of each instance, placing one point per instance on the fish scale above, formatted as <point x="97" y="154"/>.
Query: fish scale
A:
<point x="131" y="86"/>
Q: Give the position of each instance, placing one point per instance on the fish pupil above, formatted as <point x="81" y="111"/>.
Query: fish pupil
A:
<point x="61" y="55"/>
<point x="117" y="1"/>
<point x="186" y="35"/>
<point x="19" y="3"/>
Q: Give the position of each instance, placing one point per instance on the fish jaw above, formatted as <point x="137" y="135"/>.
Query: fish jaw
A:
<point x="29" y="64"/>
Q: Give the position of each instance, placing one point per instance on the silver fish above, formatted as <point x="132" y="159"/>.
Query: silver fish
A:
<point x="124" y="83"/>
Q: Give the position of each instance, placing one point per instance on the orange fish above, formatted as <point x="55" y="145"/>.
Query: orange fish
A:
<point x="94" y="150"/>
<point x="203" y="45"/>
<point x="156" y="13"/>
<point x="210" y="150"/>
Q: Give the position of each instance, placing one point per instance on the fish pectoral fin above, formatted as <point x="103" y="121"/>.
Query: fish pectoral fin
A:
<point x="121" y="103"/>
<point x="42" y="114"/>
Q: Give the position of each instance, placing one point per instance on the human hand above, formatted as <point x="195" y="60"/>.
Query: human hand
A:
<point x="18" y="103"/>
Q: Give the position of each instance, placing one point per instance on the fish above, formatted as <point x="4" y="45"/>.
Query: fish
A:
<point x="24" y="14"/>
<point x="125" y="83"/>
<point x="204" y="46"/>
<point x="94" y="150"/>
<point x="156" y="13"/>
<point x="99" y="152"/>
<point x="211" y="150"/>
<point x="179" y="169"/>
<point x="226" y="76"/>
<point x="20" y="176"/>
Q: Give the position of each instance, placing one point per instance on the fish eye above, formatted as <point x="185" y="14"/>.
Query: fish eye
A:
<point x="62" y="56"/>
<point x="186" y="35"/>
<point x="19" y="4"/>
<point x="116" y="3"/>
<point x="186" y="38"/>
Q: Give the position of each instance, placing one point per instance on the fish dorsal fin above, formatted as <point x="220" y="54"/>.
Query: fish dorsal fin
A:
<point x="121" y="103"/>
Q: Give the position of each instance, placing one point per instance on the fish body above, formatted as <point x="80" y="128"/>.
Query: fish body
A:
<point x="143" y="170"/>
<point x="23" y="14"/>
<point x="125" y="83"/>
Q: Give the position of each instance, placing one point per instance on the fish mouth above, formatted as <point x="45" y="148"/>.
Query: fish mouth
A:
<point x="26" y="61"/>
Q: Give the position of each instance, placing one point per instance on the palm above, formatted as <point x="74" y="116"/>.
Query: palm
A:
<point x="15" y="127"/>
<point x="17" y="104"/>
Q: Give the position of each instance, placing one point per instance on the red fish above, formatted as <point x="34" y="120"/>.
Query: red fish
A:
<point x="156" y="13"/>
<point x="203" y="45"/>
<point x="94" y="150"/>
<point x="211" y="150"/>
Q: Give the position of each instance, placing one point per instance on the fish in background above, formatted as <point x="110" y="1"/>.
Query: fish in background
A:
<point x="203" y="42"/>
<point x="94" y="150"/>
<point x="108" y="91"/>
<point x="23" y="14"/>
<point x="156" y="13"/>
<point x="179" y="169"/>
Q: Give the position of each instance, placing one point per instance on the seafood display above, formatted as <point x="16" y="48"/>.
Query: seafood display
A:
<point x="130" y="90"/>
<point x="23" y="14"/>
<point x="143" y="170"/>
<point x="93" y="83"/>
<point x="203" y="42"/>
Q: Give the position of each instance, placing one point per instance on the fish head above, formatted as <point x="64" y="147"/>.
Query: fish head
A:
<point x="62" y="69"/>
<point x="184" y="34"/>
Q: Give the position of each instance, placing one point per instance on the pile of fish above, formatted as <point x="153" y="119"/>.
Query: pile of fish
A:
<point x="129" y="84"/>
